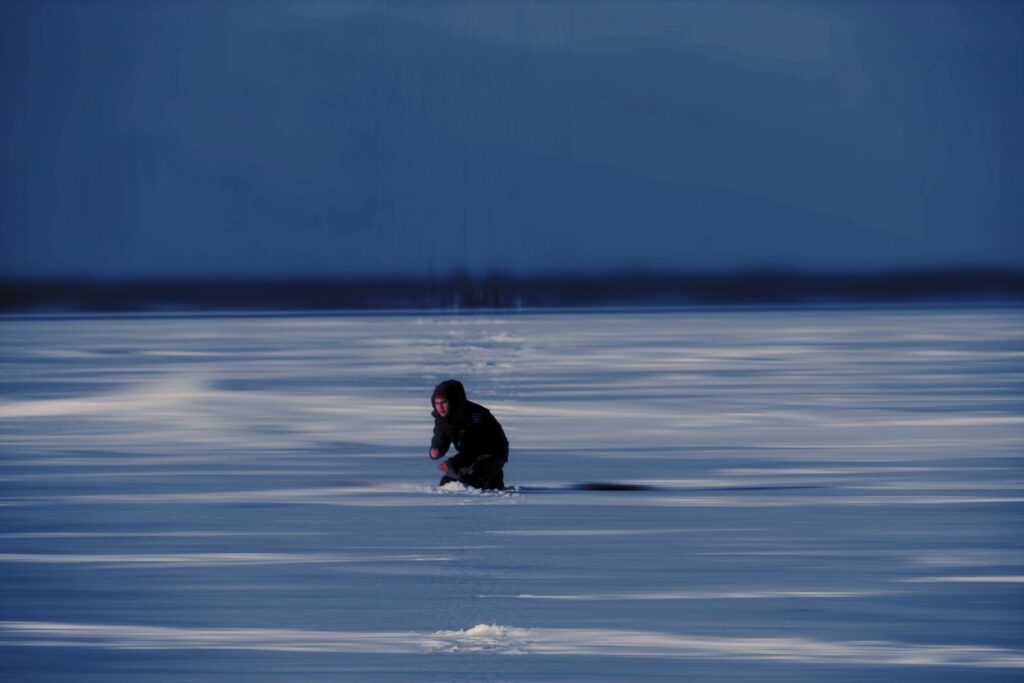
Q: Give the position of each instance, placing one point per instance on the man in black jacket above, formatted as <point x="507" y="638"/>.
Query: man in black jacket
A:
<point x="477" y="436"/>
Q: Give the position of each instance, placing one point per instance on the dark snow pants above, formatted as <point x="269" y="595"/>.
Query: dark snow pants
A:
<point x="484" y="472"/>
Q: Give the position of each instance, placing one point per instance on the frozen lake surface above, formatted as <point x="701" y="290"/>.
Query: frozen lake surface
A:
<point x="837" y="495"/>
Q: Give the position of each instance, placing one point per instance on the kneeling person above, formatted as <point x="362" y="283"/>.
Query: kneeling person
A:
<point x="477" y="436"/>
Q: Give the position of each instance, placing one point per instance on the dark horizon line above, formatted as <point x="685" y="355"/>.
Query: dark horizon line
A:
<point x="506" y="290"/>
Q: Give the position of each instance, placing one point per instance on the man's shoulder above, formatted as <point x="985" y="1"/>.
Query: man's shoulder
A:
<point x="474" y="412"/>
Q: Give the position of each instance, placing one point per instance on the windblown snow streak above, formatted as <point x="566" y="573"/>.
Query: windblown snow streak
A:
<point x="504" y="640"/>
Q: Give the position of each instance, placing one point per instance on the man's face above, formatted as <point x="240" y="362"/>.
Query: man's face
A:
<point x="441" y="406"/>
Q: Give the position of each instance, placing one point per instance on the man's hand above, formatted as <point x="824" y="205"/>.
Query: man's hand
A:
<point x="434" y="454"/>
<point x="448" y="469"/>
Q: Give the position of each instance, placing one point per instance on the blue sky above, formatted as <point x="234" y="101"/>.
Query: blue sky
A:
<point x="307" y="138"/>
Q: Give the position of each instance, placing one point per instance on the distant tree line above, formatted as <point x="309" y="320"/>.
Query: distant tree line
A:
<point x="506" y="291"/>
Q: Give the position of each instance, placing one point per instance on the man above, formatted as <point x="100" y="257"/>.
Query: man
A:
<point x="477" y="436"/>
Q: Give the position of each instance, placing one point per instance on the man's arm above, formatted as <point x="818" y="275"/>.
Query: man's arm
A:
<point x="440" y="442"/>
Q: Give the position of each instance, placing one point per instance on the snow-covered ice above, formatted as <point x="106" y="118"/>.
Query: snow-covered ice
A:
<point x="823" y="494"/>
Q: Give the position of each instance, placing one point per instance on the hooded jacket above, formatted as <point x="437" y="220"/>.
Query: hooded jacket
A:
<point x="469" y="426"/>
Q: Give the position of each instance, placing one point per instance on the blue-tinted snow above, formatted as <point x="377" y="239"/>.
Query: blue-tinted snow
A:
<point x="834" y="495"/>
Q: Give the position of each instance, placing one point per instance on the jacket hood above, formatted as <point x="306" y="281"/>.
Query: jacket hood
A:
<point x="452" y="390"/>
